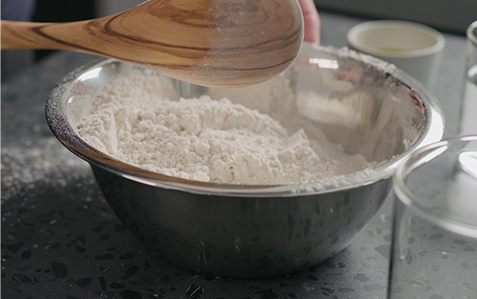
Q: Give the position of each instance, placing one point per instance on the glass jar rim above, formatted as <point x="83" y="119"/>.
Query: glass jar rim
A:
<point x="472" y="32"/>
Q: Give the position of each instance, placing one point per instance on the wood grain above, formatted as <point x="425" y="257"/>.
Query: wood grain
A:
<point x="207" y="42"/>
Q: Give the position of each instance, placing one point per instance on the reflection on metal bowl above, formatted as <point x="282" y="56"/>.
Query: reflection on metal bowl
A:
<point x="262" y="231"/>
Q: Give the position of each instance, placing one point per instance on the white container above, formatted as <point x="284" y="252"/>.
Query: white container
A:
<point x="416" y="49"/>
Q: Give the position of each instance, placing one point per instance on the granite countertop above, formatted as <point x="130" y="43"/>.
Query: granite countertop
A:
<point x="60" y="239"/>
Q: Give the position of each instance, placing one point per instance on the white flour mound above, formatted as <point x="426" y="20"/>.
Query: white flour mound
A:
<point x="139" y="120"/>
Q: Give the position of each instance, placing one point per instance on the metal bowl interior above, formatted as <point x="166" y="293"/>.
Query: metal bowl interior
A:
<point x="254" y="230"/>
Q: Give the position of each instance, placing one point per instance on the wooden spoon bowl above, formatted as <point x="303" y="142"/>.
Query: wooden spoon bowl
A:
<point x="220" y="43"/>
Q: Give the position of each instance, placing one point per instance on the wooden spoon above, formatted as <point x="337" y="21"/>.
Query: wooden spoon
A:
<point x="220" y="43"/>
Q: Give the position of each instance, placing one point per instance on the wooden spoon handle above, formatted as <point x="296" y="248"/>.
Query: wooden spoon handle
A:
<point x="30" y="35"/>
<point x="108" y="36"/>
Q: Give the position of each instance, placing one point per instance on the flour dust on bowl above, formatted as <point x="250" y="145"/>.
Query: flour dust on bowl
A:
<point x="361" y="108"/>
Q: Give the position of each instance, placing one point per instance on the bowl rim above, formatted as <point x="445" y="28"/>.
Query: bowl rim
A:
<point x="56" y="116"/>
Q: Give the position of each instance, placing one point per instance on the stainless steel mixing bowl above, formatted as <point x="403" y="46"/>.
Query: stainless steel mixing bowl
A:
<point x="263" y="231"/>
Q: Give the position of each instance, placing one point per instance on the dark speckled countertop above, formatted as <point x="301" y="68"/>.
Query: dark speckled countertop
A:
<point x="60" y="239"/>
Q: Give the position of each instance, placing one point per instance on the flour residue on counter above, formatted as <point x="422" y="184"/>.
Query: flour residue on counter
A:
<point x="139" y="120"/>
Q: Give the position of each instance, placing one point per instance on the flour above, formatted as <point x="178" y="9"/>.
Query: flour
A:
<point x="139" y="120"/>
